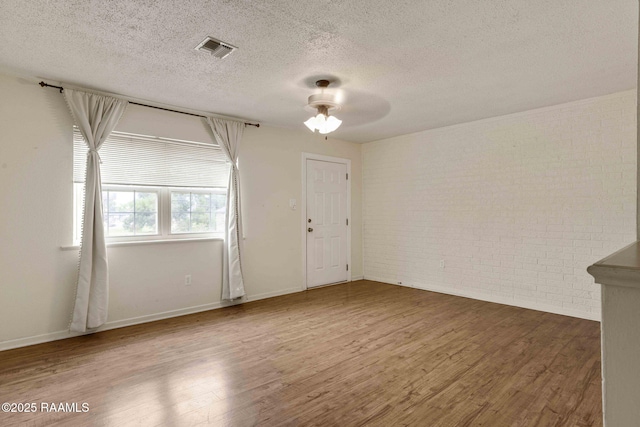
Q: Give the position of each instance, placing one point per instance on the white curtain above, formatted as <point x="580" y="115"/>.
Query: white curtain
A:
<point x="96" y="116"/>
<point x="228" y="134"/>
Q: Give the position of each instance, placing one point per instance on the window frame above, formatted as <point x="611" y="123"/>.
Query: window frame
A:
<point x="194" y="179"/>
<point x="164" y="213"/>
<point x="196" y="190"/>
<point x="138" y="188"/>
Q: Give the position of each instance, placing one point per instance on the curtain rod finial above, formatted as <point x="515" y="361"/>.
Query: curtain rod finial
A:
<point x="43" y="84"/>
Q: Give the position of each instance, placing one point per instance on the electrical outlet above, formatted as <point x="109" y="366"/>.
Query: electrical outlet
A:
<point x="441" y="263"/>
<point x="187" y="280"/>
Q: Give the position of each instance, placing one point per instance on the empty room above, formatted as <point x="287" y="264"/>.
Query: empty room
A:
<point x="325" y="213"/>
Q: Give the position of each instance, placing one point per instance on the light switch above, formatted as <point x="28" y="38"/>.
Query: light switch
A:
<point x="293" y="204"/>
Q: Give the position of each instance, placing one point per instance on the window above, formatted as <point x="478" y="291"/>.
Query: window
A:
<point x="130" y="212"/>
<point x="155" y="188"/>
<point x="193" y="212"/>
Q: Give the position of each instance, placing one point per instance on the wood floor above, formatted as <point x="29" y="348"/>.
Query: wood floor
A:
<point x="357" y="354"/>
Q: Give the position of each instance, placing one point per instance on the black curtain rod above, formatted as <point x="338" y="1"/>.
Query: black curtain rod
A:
<point x="43" y="84"/>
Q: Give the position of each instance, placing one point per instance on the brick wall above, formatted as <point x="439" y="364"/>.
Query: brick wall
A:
<point x="510" y="209"/>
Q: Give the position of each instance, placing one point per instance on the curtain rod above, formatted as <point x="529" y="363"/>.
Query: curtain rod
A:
<point x="43" y="84"/>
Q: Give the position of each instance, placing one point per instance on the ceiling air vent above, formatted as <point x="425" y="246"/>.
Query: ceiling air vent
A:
<point x="215" y="47"/>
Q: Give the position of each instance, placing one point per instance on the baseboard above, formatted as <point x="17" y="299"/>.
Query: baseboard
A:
<point x="159" y="316"/>
<point x="36" y="339"/>
<point x="387" y="281"/>
<point x="354" y="278"/>
<point x="266" y="295"/>
<point x="59" y="335"/>
<point x="494" y="299"/>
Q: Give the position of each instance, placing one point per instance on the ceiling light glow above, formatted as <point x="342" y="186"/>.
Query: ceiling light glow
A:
<point x="323" y="124"/>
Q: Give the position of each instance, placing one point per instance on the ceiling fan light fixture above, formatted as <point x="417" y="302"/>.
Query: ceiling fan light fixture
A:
<point x="333" y="123"/>
<point x="311" y="124"/>
<point x="323" y="122"/>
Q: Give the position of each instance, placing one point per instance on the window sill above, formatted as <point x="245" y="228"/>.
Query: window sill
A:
<point x="149" y="242"/>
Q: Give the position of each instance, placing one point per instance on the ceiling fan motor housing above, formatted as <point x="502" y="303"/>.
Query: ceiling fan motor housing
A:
<point x="324" y="98"/>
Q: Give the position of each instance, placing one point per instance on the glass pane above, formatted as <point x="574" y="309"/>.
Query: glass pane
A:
<point x="218" y="201"/>
<point x="180" y="202"/>
<point x="121" y="224"/>
<point x="120" y="201"/>
<point x="179" y="222"/>
<point x="200" y="202"/>
<point x="200" y="222"/>
<point x="146" y="202"/>
<point x="105" y="201"/>
<point x="218" y="210"/>
<point x="146" y="223"/>
<point x="218" y="218"/>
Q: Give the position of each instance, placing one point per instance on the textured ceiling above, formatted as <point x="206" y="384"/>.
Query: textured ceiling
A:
<point x="401" y="66"/>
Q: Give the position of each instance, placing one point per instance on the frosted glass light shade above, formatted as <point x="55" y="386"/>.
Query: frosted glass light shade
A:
<point x="333" y="123"/>
<point x="323" y="124"/>
<point x="311" y="124"/>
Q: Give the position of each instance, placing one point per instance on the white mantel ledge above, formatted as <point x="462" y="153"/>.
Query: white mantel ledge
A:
<point x="622" y="268"/>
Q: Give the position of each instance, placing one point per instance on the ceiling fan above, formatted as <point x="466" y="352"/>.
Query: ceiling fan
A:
<point x="324" y="102"/>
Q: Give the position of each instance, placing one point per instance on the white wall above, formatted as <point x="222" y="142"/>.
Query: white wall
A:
<point x="517" y="206"/>
<point x="37" y="277"/>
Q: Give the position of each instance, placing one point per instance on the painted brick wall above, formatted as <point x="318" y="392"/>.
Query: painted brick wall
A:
<point x="515" y="207"/>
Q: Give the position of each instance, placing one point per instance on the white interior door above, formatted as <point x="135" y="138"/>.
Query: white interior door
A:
<point x="326" y="222"/>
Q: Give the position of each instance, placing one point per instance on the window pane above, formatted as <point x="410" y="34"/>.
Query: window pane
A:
<point x="120" y="201"/>
<point x="218" y="211"/>
<point x="146" y="223"/>
<point x="218" y="201"/>
<point x="197" y="212"/>
<point x="121" y="224"/>
<point x="179" y="222"/>
<point x="218" y="218"/>
<point x="200" y="222"/>
<point x="200" y="202"/>
<point x="180" y="202"/>
<point x="146" y="202"/>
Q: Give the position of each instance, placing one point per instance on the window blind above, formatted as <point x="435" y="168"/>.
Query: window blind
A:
<point x="129" y="159"/>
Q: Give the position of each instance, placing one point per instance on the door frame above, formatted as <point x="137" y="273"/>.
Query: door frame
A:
<point x="322" y="158"/>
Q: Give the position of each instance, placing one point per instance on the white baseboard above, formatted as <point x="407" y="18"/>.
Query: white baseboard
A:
<point x="266" y="295"/>
<point x="59" y="335"/>
<point x="36" y="339"/>
<point x="495" y="299"/>
<point x="354" y="278"/>
<point x="159" y="316"/>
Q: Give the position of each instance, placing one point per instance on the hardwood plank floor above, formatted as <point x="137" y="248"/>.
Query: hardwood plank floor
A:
<point x="362" y="353"/>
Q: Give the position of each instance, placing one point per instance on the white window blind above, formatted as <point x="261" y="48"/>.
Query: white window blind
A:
<point x="129" y="159"/>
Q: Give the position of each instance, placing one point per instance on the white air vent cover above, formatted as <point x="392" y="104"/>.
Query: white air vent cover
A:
<point x="215" y="47"/>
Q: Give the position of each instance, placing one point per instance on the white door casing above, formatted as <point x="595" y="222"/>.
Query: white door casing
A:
<point x="326" y="225"/>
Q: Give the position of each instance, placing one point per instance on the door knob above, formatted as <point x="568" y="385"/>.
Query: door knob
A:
<point x="309" y="229"/>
